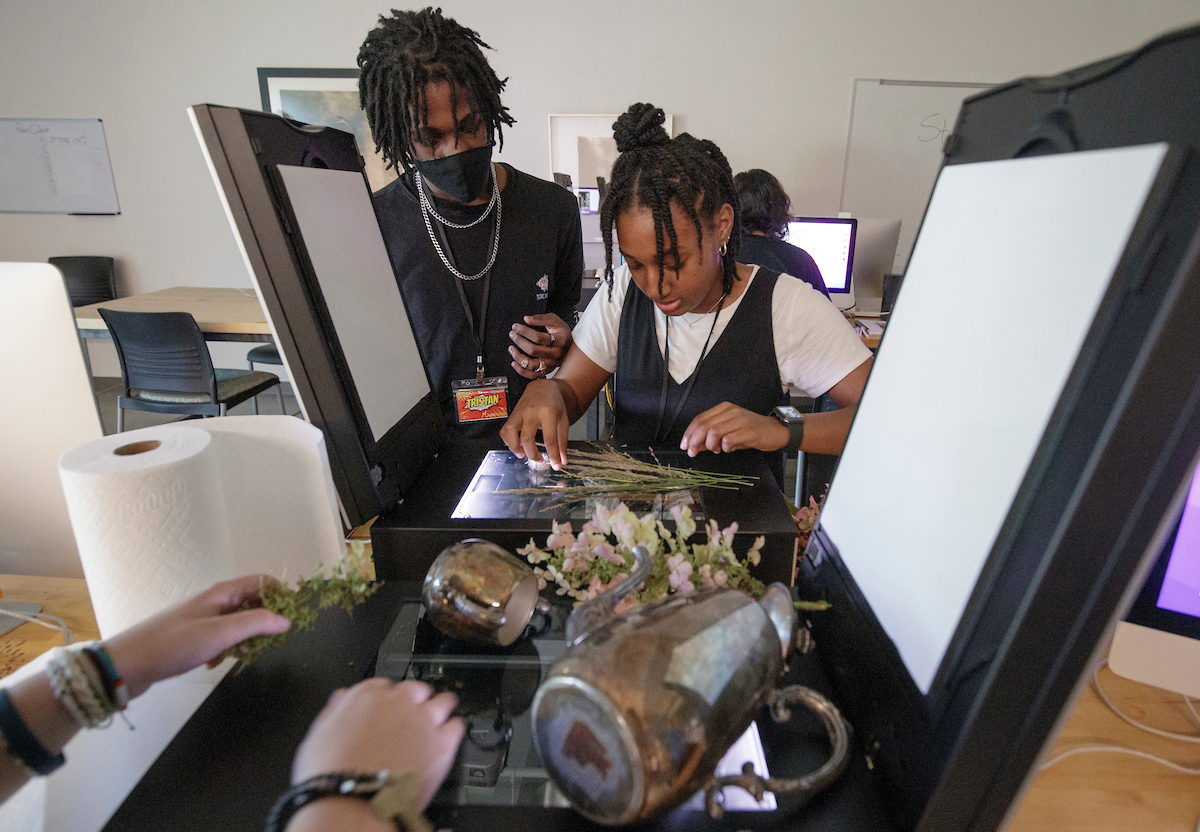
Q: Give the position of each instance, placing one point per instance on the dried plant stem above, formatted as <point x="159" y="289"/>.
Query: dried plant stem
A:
<point x="607" y="470"/>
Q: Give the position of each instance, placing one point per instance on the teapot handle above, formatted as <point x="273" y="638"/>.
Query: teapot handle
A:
<point x="484" y="616"/>
<point x="839" y="738"/>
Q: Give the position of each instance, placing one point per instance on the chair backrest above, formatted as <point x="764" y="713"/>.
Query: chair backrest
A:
<point x="89" y="279"/>
<point x="161" y="351"/>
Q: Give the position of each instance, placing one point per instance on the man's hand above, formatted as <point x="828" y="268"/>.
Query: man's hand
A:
<point x="537" y="353"/>
<point x="727" y="427"/>
<point x="541" y="408"/>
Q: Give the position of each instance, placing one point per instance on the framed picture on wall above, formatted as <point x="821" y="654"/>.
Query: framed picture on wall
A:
<point x="328" y="97"/>
<point x="582" y="146"/>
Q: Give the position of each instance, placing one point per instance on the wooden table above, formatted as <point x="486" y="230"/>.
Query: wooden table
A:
<point x="65" y="597"/>
<point x="1097" y="792"/>
<point x="223" y="314"/>
<point x="1092" y="792"/>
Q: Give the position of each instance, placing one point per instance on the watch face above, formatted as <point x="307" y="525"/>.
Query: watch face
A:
<point x="788" y="412"/>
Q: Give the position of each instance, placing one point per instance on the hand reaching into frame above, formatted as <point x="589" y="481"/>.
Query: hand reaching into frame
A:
<point x="378" y="724"/>
<point x="536" y="353"/>
<point x="727" y="427"/>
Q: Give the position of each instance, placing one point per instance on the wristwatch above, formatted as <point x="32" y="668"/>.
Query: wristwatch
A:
<point x="392" y="798"/>
<point x="793" y="420"/>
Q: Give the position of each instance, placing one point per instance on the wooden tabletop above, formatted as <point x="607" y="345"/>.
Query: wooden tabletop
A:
<point x="1099" y="792"/>
<point x="65" y="597"/>
<point x="1085" y="793"/>
<point x="216" y="310"/>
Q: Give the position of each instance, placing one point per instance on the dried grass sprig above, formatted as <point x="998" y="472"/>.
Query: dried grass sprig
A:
<point x="606" y="471"/>
<point x="347" y="586"/>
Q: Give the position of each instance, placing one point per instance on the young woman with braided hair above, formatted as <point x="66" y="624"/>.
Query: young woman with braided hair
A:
<point x="730" y="338"/>
<point x="489" y="259"/>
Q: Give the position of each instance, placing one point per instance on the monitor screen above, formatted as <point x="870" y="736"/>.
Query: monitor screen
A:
<point x="1180" y="590"/>
<point x="831" y="243"/>
<point x="334" y="212"/>
<point x="939" y="417"/>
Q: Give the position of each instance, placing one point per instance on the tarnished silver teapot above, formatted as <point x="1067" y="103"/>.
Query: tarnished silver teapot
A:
<point x="634" y="716"/>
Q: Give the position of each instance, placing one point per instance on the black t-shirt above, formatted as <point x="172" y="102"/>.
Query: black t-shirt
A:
<point x="782" y="257"/>
<point x="539" y="268"/>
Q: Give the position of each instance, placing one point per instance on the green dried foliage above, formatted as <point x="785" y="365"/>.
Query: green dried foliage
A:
<point x="347" y="586"/>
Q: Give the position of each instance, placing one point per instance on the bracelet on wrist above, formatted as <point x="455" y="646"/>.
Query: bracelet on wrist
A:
<point x="391" y="797"/>
<point x="21" y="743"/>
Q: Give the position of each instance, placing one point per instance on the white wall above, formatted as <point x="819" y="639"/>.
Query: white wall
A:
<point x="768" y="80"/>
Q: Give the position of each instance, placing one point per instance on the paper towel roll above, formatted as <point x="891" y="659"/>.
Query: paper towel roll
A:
<point x="161" y="513"/>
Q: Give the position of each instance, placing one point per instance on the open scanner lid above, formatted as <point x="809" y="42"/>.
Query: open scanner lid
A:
<point x="1011" y="466"/>
<point x="301" y="210"/>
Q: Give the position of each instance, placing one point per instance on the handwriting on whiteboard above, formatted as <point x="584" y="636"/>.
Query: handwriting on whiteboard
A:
<point x="933" y="128"/>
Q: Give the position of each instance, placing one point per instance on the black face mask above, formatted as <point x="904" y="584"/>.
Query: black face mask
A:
<point x="461" y="176"/>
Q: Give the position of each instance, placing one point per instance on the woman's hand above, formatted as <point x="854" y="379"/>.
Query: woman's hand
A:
<point x="541" y="408"/>
<point x="727" y="427"/>
<point x="378" y="724"/>
<point x="192" y="632"/>
<point x="537" y="353"/>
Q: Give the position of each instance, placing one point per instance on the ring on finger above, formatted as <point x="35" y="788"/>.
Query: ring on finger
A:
<point x="552" y="339"/>
<point x="541" y="367"/>
<point x="524" y="363"/>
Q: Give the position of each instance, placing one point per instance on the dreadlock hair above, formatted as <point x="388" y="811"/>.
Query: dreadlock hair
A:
<point x="765" y="204"/>
<point x="655" y="171"/>
<point x="408" y="51"/>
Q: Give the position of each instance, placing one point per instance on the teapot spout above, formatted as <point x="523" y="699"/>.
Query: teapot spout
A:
<point x="600" y="610"/>
<point x="776" y="602"/>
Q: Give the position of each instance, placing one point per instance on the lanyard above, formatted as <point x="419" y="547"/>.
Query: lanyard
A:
<point x="476" y="333"/>
<point x="662" y="402"/>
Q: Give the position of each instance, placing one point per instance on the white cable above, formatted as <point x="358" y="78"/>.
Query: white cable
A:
<point x="1187" y="700"/>
<point x="1116" y="749"/>
<point x="58" y="623"/>
<point x="1150" y="729"/>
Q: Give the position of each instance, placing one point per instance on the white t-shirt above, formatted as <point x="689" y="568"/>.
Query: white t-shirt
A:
<point x="814" y="345"/>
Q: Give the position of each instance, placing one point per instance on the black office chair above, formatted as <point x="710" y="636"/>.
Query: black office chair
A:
<point x="89" y="279"/>
<point x="166" y="368"/>
<point x="267" y="354"/>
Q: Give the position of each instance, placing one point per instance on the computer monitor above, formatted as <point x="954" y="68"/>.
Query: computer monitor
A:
<point x="874" y="255"/>
<point x="1001" y="485"/>
<point x="301" y="211"/>
<point x="1159" y="640"/>
<point x="830" y="241"/>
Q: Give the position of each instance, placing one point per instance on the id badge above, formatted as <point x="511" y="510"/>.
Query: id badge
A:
<point x="480" y="401"/>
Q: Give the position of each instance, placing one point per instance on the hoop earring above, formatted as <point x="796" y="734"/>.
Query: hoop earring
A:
<point x="723" y="249"/>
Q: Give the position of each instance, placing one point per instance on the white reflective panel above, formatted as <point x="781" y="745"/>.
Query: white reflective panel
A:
<point x="333" y="209"/>
<point x="957" y="402"/>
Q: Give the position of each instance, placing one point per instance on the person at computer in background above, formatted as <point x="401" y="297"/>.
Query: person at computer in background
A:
<point x="375" y="725"/>
<point x="474" y="245"/>
<point x="736" y="335"/>
<point x="766" y="210"/>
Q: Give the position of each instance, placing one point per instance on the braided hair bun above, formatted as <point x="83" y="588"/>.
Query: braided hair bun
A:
<point x="639" y="127"/>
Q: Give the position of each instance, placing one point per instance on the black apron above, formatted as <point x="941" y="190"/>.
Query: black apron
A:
<point x="740" y="368"/>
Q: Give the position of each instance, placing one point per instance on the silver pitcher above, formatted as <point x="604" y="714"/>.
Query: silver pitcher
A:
<point x="633" y="718"/>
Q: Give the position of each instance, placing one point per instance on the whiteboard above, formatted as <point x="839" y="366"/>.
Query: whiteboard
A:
<point x="894" y="149"/>
<point x="940" y="444"/>
<point x="55" y="166"/>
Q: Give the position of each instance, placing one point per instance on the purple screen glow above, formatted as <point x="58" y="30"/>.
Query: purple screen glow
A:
<point x="1181" y="586"/>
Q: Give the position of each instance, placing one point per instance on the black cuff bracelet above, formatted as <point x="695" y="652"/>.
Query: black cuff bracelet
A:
<point x="21" y="742"/>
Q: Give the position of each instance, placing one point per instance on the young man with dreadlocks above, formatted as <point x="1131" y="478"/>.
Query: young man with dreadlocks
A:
<point x="489" y="259"/>
<point x="731" y="338"/>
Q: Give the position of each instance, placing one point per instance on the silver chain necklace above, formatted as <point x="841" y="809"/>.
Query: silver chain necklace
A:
<point x="427" y="210"/>
<point x="427" y="204"/>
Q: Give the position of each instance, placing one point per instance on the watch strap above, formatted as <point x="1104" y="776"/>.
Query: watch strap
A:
<point x="795" y="429"/>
